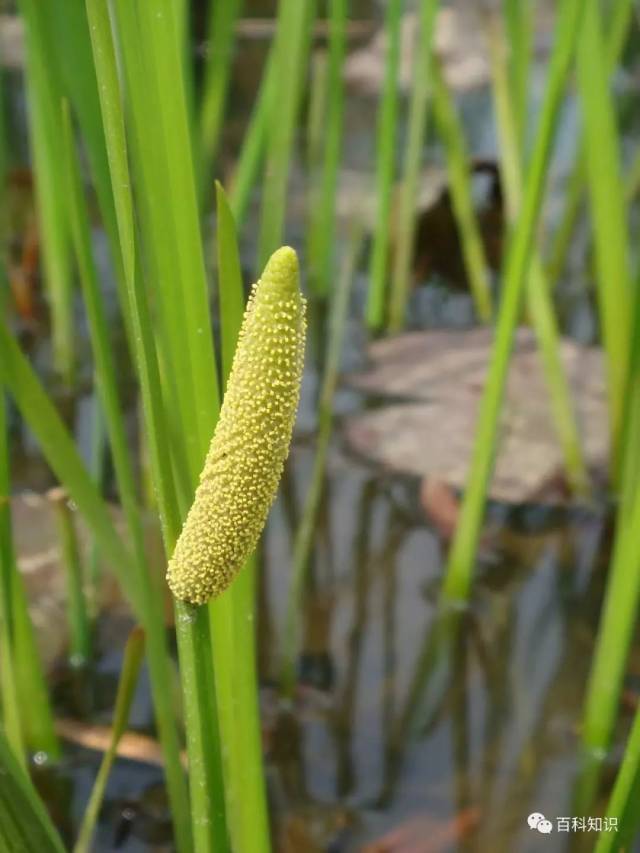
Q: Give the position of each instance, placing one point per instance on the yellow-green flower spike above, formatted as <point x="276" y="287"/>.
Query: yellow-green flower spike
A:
<point x="251" y="441"/>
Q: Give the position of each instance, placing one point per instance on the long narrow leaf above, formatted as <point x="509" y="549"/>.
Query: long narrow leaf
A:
<point x="192" y="627"/>
<point x="619" y="26"/>
<point x="24" y="823"/>
<point x="608" y="211"/>
<point x="232" y="615"/>
<point x="416" y="132"/>
<point x="44" y="94"/>
<point x="217" y="72"/>
<point x="254" y="145"/>
<point x="459" y="170"/>
<point x="322" y="223"/>
<point x="8" y="685"/>
<point x="623" y="805"/>
<point x="385" y="168"/>
<point x="459" y="569"/>
<point x="538" y="292"/>
<point x="294" y="20"/>
<point x="133" y="656"/>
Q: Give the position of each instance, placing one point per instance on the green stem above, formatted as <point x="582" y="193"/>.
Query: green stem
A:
<point x="254" y="144"/>
<point x="316" y="111"/>
<point x="418" y="109"/>
<point x="24" y="822"/>
<point x="520" y="20"/>
<point x="322" y="224"/>
<point x="459" y="172"/>
<point x="217" y="73"/>
<point x="622" y="16"/>
<point x="133" y="656"/>
<point x="97" y="468"/>
<point x="294" y="21"/>
<point x="44" y="93"/>
<point x="80" y="630"/>
<point x="623" y="805"/>
<point x="255" y="825"/>
<point x="232" y="614"/>
<point x="385" y="168"/>
<point x="208" y="815"/>
<point x="35" y="702"/>
<point x="617" y="625"/>
<point x="622" y="596"/>
<point x="608" y="211"/>
<point x="538" y="291"/>
<point x="459" y="570"/>
<point x="9" y="696"/>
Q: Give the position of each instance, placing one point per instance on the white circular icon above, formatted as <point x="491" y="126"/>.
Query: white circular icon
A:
<point x="545" y="826"/>
<point x="534" y="819"/>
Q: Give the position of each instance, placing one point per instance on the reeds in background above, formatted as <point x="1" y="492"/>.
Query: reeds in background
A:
<point x="465" y="544"/>
<point x="539" y="291"/>
<point x="215" y="85"/>
<point x="322" y="229"/>
<point x="459" y="171"/>
<point x="608" y="212"/>
<point x="620" y="318"/>
<point x="386" y="137"/>
<point x="616" y="35"/>
<point x="44" y="93"/>
<point x="133" y="657"/>
<point x="416" y="133"/>
<point x="291" y="49"/>
<point x="71" y="560"/>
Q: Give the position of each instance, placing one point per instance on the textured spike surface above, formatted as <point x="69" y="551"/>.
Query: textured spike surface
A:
<point x="251" y="441"/>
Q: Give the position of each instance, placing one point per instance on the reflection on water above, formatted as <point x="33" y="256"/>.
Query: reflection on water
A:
<point x="406" y="716"/>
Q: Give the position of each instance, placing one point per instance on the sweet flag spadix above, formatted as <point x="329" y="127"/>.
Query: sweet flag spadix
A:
<point x="251" y="441"/>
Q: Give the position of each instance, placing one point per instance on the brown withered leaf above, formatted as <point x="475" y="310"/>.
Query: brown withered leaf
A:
<point x="434" y="381"/>
<point x="132" y="745"/>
